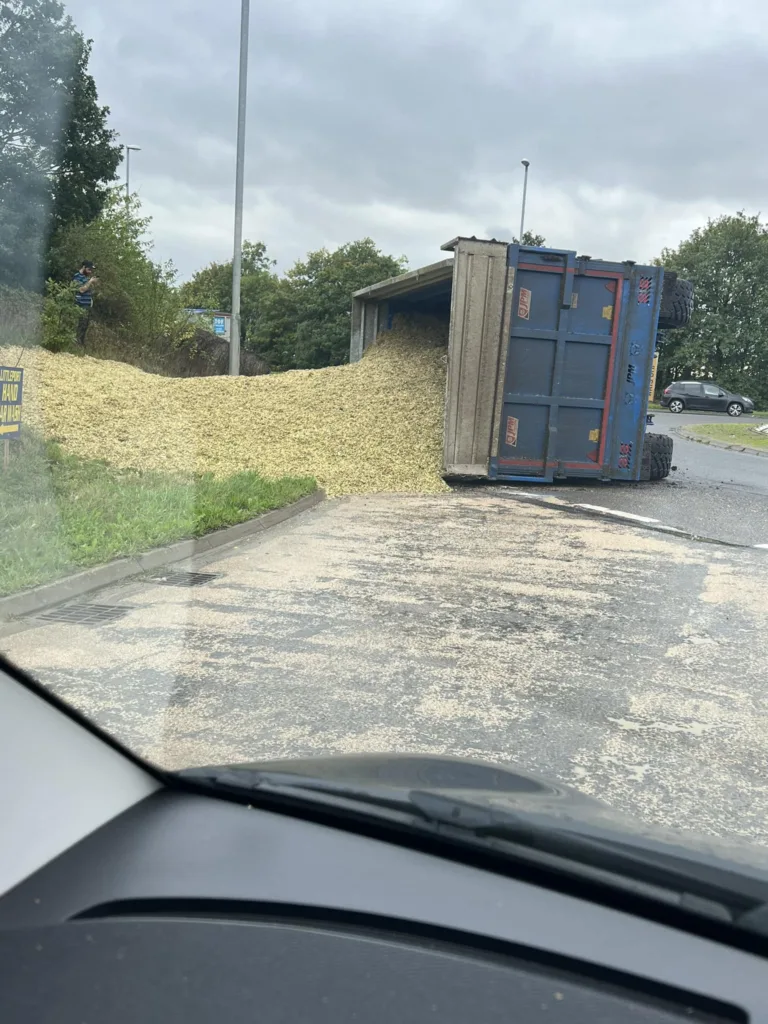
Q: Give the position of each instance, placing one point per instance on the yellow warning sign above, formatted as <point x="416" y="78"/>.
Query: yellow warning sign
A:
<point x="607" y="312"/>
<point x="654" y="375"/>
<point x="594" y="435"/>
<point x="11" y="388"/>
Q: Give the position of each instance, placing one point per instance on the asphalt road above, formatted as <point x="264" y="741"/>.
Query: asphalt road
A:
<point x="712" y="493"/>
<point x="629" y="663"/>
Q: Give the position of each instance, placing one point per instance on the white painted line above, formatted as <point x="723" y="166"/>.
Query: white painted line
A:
<point x="547" y="499"/>
<point x="621" y="515"/>
<point x="761" y="545"/>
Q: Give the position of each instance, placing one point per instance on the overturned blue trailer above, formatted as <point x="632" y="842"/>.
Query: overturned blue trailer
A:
<point x="550" y="358"/>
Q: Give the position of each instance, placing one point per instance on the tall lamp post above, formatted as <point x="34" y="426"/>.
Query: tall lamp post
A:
<point x="237" y="255"/>
<point x="128" y="151"/>
<point x="526" y="164"/>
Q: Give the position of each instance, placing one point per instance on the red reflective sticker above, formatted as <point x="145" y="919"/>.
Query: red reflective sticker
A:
<point x="511" y="435"/>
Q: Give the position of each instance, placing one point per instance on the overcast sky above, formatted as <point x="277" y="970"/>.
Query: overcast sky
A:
<point x="406" y="120"/>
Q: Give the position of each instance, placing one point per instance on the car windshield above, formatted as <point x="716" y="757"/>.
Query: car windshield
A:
<point x="337" y="353"/>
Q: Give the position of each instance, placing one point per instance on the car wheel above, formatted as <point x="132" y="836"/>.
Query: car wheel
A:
<point x="676" y="405"/>
<point x="735" y="409"/>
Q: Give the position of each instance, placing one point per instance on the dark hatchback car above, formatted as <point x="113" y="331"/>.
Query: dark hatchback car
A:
<point x="694" y="395"/>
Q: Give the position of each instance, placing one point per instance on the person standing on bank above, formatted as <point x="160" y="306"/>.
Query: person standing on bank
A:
<point x="84" y="284"/>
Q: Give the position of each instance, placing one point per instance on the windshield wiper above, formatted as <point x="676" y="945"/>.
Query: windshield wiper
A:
<point x="690" y="884"/>
<point x="254" y="780"/>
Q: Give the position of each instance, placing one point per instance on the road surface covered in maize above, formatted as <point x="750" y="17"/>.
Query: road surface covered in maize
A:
<point x="628" y="663"/>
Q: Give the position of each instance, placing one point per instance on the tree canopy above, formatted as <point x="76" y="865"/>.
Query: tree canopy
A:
<point x="302" y="318"/>
<point x="529" y="238"/>
<point x="57" y="155"/>
<point x="316" y="298"/>
<point x="727" y="339"/>
<point x="211" y="287"/>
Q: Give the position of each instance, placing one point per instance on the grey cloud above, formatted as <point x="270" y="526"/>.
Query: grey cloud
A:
<point x="501" y="234"/>
<point x="363" y="114"/>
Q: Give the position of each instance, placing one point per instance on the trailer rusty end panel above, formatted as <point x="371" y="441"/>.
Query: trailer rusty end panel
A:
<point x="480" y="305"/>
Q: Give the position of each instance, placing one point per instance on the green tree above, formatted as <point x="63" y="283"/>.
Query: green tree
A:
<point x="90" y="154"/>
<point x="530" y="239"/>
<point x="211" y="287"/>
<point x="56" y="154"/>
<point x="727" y="339"/>
<point x="305" y="320"/>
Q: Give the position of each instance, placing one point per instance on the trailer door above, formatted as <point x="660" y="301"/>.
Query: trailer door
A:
<point x="560" y="366"/>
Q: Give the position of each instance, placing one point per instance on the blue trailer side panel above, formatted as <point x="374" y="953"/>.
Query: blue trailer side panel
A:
<point x="578" y="362"/>
<point x="634" y="368"/>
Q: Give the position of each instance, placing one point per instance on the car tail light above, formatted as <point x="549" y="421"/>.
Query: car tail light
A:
<point x="667" y="390"/>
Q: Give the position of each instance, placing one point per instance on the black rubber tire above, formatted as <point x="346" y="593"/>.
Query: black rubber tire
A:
<point x="737" y="407"/>
<point x="676" y="400"/>
<point x="676" y="302"/>
<point x="657" y="457"/>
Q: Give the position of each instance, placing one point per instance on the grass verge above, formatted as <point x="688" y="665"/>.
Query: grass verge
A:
<point x="732" y="433"/>
<point x="59" y="513"/>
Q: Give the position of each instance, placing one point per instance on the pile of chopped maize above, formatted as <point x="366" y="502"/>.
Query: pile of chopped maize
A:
<point x="369" y="427"/>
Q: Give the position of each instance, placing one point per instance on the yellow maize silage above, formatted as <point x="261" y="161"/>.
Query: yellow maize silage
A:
<point x="372" y="426"/>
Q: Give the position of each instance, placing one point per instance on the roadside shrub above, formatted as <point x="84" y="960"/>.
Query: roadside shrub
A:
<point x="59" y="318"/>
<point x="135" y="297"/>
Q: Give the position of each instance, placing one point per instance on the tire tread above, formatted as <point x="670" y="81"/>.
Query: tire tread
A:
<point x="676" y="302"/>
<point x="657" y="457"/>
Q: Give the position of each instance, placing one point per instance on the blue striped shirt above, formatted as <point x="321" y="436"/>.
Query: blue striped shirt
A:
<point x="84" y="299"/>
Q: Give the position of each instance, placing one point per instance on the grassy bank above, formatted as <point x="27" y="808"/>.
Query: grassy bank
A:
<point x="732" y="433"/>
<point x="60" y="513"/>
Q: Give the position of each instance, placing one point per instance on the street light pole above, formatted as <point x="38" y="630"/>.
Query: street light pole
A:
<point x="237" y="255"/>
<point x="128" y="151"/>
<point x="526" y="164"/>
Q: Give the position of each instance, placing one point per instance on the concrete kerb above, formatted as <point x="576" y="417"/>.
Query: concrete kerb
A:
<point x="746" y="449"/>
<point x="37" y="599"/>
<point x="45" y="596"/>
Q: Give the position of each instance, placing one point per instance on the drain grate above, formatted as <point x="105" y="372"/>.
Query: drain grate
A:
<point x="185" y="579"/>
<point x="85" y="614"/>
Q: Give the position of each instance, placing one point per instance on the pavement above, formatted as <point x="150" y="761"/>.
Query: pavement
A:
<point x="712" y="492"/>
<point x="628" y="663"/>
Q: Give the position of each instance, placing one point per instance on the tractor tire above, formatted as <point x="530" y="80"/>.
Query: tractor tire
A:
<point x="676" y="302"/>
<point x="657" y="457"/>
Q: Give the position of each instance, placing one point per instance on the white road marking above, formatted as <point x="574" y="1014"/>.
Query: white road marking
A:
<point x="550" y="499"/>
<point x="622" y="515"/>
